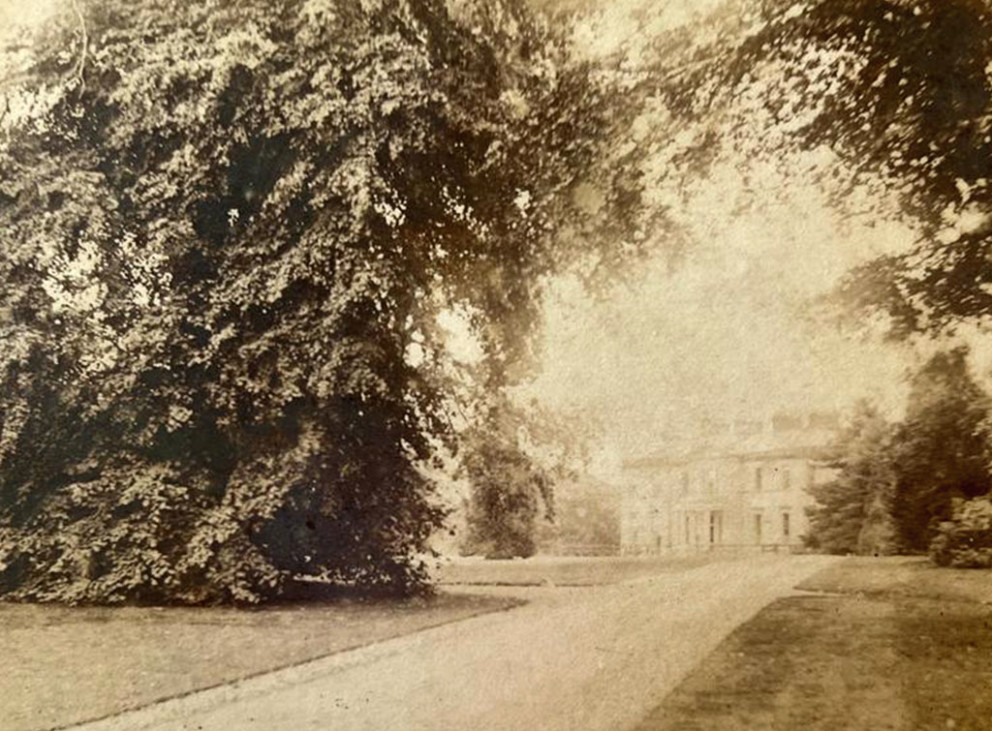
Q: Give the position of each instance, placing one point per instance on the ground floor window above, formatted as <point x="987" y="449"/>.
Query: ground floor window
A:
<point x="716" y="526"/>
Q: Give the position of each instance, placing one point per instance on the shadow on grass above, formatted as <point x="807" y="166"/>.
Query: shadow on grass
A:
<point x="874" y="655"/>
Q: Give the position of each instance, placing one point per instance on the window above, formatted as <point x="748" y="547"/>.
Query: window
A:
<point x="685" y="483"/>
<point x="757" y="528"/>
<point x="687" y="531"/>
<point x="715" y="526"/>
<point x="786" y="478"/>
<point x="785" y="525"/>
<point x="757" y="479"/>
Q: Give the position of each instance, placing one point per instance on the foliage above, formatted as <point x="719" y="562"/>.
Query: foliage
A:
<point x="965" y="541"/>
<point x="899" y="92"/>
<point x="851" y="514"/>
<point x="513" y="456"/>
<point x="227" y="229"/>
<point x="942" y="447"/>
<point x="897" y="483"/>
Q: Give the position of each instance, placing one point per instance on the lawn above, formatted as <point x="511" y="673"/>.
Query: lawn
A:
<point x="66" y="665"/>
<point x="567" y="570"/>
<point x="896" y="644"/>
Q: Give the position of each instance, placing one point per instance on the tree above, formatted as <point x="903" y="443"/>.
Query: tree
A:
<point x="941" y="448"/>
<point x="896" y="91"/>
<point x="227" y="227"/>
<point x="513" y="456"/>
<point x="507" y="492"/>
<point x="852" y="512"/>
<point x="898" y="483"/>
<point x="965" y="540"/>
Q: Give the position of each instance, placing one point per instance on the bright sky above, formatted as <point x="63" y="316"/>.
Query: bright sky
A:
<point x="730" y="333"/>
<point x="16" y="14"/>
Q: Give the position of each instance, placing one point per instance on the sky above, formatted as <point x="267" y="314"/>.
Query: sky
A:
<point x="732" y="332"/>
<point x="16" y="15"/>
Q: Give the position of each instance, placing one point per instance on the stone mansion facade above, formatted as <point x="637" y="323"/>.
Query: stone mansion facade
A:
<point x="748" y="489"/>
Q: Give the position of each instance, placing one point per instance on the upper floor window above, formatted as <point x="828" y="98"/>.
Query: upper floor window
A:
<point x="786" y="478"/>
<point x="757" y="479"/>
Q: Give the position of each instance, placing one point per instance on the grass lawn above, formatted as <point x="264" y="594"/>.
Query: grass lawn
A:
<point x="66" y="665"/>
<point x="899" y="644"/>
<point x="568" y="570"/>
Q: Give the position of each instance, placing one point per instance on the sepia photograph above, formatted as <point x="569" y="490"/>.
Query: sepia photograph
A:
<point x="495" y="365"/>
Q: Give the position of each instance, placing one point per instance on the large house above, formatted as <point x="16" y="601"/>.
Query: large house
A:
<point x="746" y="486"/>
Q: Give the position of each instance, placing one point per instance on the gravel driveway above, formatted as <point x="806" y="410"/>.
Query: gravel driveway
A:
<point x="573" y="658"/>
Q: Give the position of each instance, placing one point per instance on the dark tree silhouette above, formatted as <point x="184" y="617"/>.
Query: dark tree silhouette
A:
<point x="941" y="448"/>
<point x="227" y="228"/>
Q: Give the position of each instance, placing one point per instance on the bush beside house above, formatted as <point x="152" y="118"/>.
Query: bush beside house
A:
<point x="965" y="541"/>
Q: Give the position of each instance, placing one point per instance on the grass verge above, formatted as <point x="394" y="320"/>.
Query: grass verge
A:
<point x="569" y="571"/>
<point x="900" y="646"/>
<point x="66" y="665"/>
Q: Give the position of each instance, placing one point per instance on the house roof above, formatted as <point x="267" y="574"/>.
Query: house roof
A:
<point x="811" y="444"/>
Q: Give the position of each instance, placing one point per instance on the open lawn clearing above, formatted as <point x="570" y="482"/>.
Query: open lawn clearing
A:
<point x="902" y="647"/>
<point x="65" y="665"/>
<point x="571" y="570"/>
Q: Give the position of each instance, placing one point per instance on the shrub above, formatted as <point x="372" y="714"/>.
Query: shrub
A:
<point x="965" y="541"/>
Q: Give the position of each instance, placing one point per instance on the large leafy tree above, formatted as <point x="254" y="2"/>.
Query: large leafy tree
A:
<point x="920" y="117"/>
<point x="228" y="229"/>
<point x="915" y="111"/>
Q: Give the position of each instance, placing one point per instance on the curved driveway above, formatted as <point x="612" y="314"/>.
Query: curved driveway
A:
<point x="596" y="658"/>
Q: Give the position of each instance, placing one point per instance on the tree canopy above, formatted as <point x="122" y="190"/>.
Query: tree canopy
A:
<point x="228" y="230"/>
<point x="899" y="92"/>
